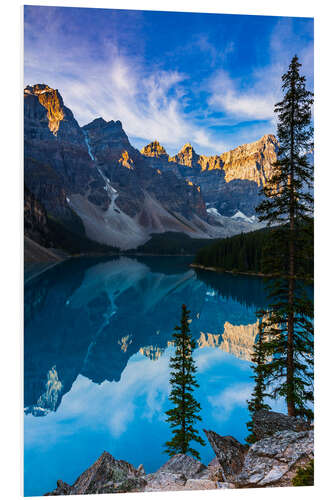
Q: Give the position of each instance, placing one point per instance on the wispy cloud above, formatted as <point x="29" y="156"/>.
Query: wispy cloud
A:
<point x="253" y="96"/>
<point x="148" y="101"/>
<point x="231" y="397"/>
<point x="238" y="102"/>
<point x="190" y="91"/>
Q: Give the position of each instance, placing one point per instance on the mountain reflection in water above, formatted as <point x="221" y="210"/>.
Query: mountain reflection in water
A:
<point x="98" y="337"/>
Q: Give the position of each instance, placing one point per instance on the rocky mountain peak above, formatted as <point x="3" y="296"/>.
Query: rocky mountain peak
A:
<point x="187" y="147"/>
<point x="96" y="123"/>
<point x="51" y="100"/>
<point x="186" y="156"/>
<point x="154" y="149"/>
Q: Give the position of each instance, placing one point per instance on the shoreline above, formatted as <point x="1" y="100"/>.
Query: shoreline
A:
<point x="221" y="271"/>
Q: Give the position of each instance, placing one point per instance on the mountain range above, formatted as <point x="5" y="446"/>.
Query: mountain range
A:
<point x="90" y="182"/>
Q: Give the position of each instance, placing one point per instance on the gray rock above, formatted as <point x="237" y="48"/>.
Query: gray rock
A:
<point x="266" y="423"/>
<point x="165" y="481"/>
<point x="229" y="452"/>
<point x="106" y="475"/>
<point x="274" y="460"/>
<point x="174" y="474"/>
<point x="141" y="470"/>
<point x="183" y="464"/>
<point x="200" y="484"/>
<point x="213" y="472"/>
<point x="61" y="489"/>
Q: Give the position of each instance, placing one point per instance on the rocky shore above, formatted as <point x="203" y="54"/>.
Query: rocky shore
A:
<point x="284" y="444"/>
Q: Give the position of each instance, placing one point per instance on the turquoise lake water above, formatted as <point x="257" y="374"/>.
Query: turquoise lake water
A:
<point x="98" y="337"/>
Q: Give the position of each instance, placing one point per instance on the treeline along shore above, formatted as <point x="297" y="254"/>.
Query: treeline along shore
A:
<point x="241" y="254"/>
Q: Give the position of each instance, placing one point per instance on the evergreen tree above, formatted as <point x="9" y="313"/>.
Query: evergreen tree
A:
<point x="186" y="409"/>
<point x="256" y="402"/>
<point x="288" y="206"/>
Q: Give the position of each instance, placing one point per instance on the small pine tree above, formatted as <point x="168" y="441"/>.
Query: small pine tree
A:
<point x="256" y="402"/>
<point x="186" y="409"/>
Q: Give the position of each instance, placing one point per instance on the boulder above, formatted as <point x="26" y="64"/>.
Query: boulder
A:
<point x="273" y="461"/>
<point x="183" y="464"/>
<point x="106" y="475"/>
<point x="266" y="423"/>
<point x="165" y="481"/>
<point x="173" y="475"/>
<point x="200" y="484"/>
<point x="229" y="452"/>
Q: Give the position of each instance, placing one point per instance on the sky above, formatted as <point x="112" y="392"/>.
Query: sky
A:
<point x="208" y="79"/>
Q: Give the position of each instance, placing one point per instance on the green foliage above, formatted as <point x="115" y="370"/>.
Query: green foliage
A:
<point x="288" y="206"/>
<point x="305" y="475"/>
<point x="185" y="409"/>
<point x="256" y="402"/>
<point x="242" y="252"/>
<point x="245" y="252"/>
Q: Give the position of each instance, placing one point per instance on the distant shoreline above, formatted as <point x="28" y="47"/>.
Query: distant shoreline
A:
<point x="221" y="270"/>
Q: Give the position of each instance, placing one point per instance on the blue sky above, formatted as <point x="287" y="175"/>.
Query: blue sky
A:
<point x="208" y="79"/>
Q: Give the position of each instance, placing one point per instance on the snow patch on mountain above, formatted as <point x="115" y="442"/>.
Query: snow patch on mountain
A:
<point x="214" y="211"/>
<point x="240" y="215"/>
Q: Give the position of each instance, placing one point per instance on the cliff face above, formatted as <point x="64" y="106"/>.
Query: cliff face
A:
<point x="228" y="182"/>
<point x="56" y="160"/>
<point x="251" y="162"/>
<point x="35" y="219"/>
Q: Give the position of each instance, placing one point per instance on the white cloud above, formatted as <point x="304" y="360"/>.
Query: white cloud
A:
<point x="233" y="396"/>
<point x="148" y="101"/>
<point x="255" y="103"/>
<point x="253" y="97"/>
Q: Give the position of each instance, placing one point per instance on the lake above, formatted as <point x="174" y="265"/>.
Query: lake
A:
<point x="98" y="337"/>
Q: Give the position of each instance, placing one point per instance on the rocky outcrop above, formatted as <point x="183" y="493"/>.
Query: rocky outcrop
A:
<point x="266" y="423"/>
<point x="273" y="461"/>
<point x="182" y="464"/>
<point x="106" y="475"/>
<point x="175" y="473"/>
<point x="155" y="150"/>
<point x="52" y="102"/>
<point x="229" y="452"/>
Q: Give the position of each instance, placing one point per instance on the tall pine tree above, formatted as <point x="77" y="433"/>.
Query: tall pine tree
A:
<point x="288" y="207"/>
<point x="186" y="409"/>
